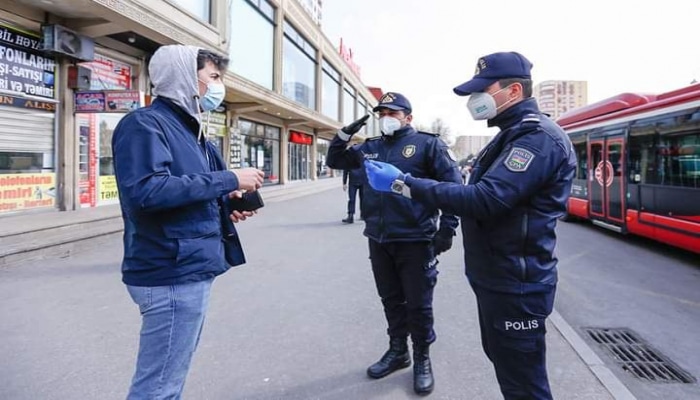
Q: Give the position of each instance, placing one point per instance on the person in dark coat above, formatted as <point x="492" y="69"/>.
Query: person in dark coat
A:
<point x="353" y="182"/>
<point x="518" y="188"/>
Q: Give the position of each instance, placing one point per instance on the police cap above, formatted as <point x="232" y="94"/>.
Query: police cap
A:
<point x="393" y="101"/>
<point x="493" y="67"/>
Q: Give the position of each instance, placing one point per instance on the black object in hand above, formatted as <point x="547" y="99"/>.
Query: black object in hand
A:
<point x="250" y="201"/>
<point x="355" y="126"/>
<point x="442" y="241"/>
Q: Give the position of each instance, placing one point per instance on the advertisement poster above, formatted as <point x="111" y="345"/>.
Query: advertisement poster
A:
<point x="20" y="192"/>
<point x="108" y="74"/>
<point x="108" y="190"/>
<point x="89" y="102"/>
<point x="23" y="68"/>
<point x="87" y="159"/>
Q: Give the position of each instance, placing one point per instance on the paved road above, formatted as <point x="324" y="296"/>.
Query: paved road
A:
<point x="300" y="321"/>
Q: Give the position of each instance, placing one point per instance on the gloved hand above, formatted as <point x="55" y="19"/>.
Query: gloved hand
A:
<point x="442" y="241"/>
<point x="380" y="175"/>
<point x="353" y="128"/>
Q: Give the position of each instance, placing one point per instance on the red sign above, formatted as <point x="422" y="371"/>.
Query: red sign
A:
<point x="346" y="55"/>
<point x="300" y="138"/>
<point x="109" y="74"/>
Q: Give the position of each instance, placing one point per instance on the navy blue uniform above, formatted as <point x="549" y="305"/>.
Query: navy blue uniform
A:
<point x="355" y="179"/>
<point x="399" y="230"/>
<point x="517" y="189"/>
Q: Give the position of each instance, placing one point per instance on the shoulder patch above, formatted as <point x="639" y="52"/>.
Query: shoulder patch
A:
<point x="519" y="159"/>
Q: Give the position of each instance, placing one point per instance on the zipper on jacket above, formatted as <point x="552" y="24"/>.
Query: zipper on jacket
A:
<point x="523" y="262"/>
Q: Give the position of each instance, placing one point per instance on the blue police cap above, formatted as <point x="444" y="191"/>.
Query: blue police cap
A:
<point x="394" y="101"/>
<point x="494" y="67"/>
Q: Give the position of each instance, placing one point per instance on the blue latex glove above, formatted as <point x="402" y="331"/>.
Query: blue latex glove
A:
<point x="380" y="175"/>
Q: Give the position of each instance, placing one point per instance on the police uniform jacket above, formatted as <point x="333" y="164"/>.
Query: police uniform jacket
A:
<point x="518" y="188"/>
<point x="390" y="217"/>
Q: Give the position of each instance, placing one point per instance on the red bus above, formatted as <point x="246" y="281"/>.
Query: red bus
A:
<point x="639" y="165"/>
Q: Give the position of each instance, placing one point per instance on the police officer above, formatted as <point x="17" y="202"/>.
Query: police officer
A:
<point x="517" y="189"/>
<point x="404" y="237"/>
<point x="353" y="181"/>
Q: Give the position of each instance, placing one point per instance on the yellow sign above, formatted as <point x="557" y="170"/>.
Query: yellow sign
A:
<point x="108" y="189"/>
<point x="26" y="191"/>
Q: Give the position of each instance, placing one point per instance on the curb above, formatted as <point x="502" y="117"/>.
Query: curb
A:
<point x="612" y="384"/>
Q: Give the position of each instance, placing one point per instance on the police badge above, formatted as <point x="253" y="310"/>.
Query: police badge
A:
<point x="409" y="150"/>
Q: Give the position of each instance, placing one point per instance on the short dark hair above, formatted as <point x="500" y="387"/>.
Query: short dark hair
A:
<point x="526" y="84"/>
<point x="221" y="62"/>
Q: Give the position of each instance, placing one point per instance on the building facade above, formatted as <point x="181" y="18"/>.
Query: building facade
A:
<point x="466" y="146"/>
<point x="71" y="69"/>
<point x="557" y="97"/>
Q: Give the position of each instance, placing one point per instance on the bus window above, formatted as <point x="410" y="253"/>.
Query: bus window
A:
<point x="642" y="161"/>
<point x="680" y="160"/>
<point x="581" y="160"/>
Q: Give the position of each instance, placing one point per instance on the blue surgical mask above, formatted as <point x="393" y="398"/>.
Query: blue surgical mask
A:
<point x="213" y="97"/>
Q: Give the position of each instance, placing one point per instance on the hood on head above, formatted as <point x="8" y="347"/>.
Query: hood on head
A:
<point x="173" y="72"/>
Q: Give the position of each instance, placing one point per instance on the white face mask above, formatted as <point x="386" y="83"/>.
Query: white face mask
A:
<point x="389" y="125"/>
<point x="483" y="106"/>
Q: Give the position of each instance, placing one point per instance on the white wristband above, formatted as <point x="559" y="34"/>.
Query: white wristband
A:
<point x="343" y="136"/>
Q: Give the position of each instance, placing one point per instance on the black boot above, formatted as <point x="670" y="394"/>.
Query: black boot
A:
<point x="394" y="358"/>
<point x="348" y="220"/>
<point x="423" y="381"/>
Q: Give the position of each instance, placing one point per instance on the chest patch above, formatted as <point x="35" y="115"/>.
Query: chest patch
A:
<point x="519" y="159"/>
<point x="409" y="150"/>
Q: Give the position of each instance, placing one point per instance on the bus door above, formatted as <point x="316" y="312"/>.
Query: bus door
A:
<point x="606" y="185"/>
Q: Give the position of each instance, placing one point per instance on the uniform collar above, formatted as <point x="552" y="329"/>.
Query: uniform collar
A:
<point x="514" y="114"/>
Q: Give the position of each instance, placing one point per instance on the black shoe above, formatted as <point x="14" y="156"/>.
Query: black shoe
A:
<point x="348" y="220"/>
<point x="423" y="382"/>
<point x="394" y="359"/>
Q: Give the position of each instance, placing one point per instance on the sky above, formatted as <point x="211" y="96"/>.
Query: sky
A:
<point x="423" y="49"/>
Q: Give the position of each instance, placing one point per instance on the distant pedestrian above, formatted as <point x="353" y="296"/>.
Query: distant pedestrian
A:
<point x="353" y="182"/>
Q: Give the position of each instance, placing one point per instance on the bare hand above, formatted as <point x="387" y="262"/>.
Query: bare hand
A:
<point x="345" y="188"/>
<point x="250" y="179"/>
<point x="238" y="216"/>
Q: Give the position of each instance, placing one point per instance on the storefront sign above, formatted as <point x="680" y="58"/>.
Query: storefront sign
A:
<point x="300" y="138"/>
<point x="108" y="74"/>
<point x="121" y="101"/>
<point x="20" y="102"/>
<point x="108" y="189"/>
<point x="26" y="191"/>
<point x="346" y="54"/>
<point x="23" y="68"/>
<point x="89" y="102"/>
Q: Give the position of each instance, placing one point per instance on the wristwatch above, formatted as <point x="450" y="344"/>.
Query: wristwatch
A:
<point x="398" y="186"/>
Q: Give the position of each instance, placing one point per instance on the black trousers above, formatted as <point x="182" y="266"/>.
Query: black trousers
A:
<point x="405" y="274"/>
<point x="513" y="336"/>
<point x="353" y="190"/>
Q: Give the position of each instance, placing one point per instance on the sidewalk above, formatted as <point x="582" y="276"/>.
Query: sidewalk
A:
<point x="300" y="321"/>
<point x="47" y="234"/>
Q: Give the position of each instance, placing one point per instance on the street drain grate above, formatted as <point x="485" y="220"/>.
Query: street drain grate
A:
<point x="635" y="355"/>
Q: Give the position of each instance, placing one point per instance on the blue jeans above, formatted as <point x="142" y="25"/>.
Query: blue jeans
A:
<point x="172" y="320"/>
